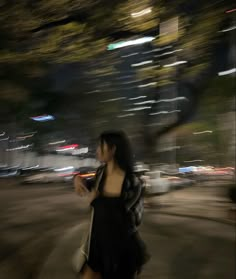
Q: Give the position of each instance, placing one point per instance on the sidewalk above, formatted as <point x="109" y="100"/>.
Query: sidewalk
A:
<point x="59" y="262"/>
<point x="195" y="203"/>
<point x="179" y="203"/>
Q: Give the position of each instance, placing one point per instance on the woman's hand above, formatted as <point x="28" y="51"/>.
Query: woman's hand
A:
<point x="80" y="187"/>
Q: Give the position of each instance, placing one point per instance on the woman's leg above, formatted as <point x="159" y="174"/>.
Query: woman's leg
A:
<point x="88" y="273"/>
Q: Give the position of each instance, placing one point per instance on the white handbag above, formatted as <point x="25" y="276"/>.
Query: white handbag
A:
<point x="82" y="253"/>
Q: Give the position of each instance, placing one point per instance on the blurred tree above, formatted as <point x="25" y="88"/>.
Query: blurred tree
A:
<point x="35" y="35"/>
<point x="193" y="40"/>
<point x="138" y="16"/>
<point x="38" y="34"/>
<point x="54" y="30"/>
<point x="193" y="44"/>
<point x="218" y="96"/>
<point x="62" y="31"/>
<point x="215" y="113"/>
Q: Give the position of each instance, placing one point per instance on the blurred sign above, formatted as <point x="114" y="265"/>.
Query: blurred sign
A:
<point x="43" y="118"/>
<point x="130" y="43"/>
<point x="169" y="30"/>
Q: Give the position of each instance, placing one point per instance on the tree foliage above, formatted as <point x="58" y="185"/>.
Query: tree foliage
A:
<point x="37" y="35"/>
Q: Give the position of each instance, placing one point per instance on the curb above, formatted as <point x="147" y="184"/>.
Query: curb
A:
<point x="226" y="222"/>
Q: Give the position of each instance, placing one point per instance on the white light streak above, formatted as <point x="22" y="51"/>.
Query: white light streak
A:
<point x="4" y="139"/>
<point x="128" y="55"/>
<point x="203" y="132"/>
<point x="192" y="161"/>
<point x="113" y="100"/>
<point x="157" y="49"/>
<point x="2" y="134"/>
<point x="92" y="92"/>
<point x="137" y="109"/>
<point x="170" y="148"/>
<point x="65" y="169"/>
<point x="30" y="168"/>
<point x="142" y="63"/>
<point x="228" y="29"/>
<point x="133" y="42"/>
<point x="152" y="67"/>
<point x="167" y="53"/>
<point x="25" y="137"/>
<point x="147" y="52"/>
<point x="19" y="148"/>
<point x="166" y="47"/>
<point x="228" y="72"/>
<point x="145" y="102"/>
<point x="147" y="85"/>
<point x="165" y="112"/>
<point x="65" y="149"/>
<point x="175" y="64"/>
<point x="130" y="82"/>
<point x="171" y="100"/>
<point x="136" y="98"/>
<point x="141" y="13"/>
<point x="125" y="115"/>
<point x="57" y="142"/>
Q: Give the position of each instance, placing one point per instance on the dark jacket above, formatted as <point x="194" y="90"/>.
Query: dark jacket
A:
<point x="132" y="194"/>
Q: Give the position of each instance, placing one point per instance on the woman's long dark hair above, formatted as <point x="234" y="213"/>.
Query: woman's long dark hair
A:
<point x="123" y="154"/>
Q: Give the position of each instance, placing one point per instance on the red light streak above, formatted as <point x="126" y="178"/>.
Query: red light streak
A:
<point x="69" y="146"/>
<point x="230" y="11"/>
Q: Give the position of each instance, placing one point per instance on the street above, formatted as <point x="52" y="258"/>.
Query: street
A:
<point x="35" y="219"/>
<point x="135" y="86"/>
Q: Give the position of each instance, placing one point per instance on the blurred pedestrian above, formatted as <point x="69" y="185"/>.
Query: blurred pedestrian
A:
<point x="116" y="249"/>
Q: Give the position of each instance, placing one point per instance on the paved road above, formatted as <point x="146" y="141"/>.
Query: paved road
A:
<point x="204" y="200"/>
<point x="34" y="220"/>
<point x="188" y="248"/>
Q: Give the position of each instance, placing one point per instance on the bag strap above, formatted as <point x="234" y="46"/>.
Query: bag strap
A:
<point x="97" y="182"/>
<point x="98" y="179"/>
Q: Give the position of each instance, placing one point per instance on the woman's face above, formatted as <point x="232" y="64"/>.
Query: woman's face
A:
<point x="104" y="153"/>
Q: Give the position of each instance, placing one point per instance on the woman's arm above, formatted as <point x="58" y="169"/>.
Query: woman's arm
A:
<point x="133" y="198"/>
<point x="132" y="191"/>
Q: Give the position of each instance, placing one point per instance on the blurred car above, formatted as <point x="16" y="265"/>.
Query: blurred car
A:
<point x="155" y="183"/>
<point x="27" y="171"/>
<point x="65" y="174"/>
<point x="215" y="174"/>
<point x="140" y="172"/>
<point x="9" y="172"/>
<point x="86" y="173"/>
<point x="179" y="182"/>
<point x="158" y="182"/>
<point x="43" y="177"/>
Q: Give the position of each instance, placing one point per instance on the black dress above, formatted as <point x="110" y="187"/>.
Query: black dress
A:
<point x="114" y="252"/>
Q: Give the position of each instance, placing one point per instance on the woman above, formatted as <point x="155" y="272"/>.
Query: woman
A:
<point x="116" y="250"/>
